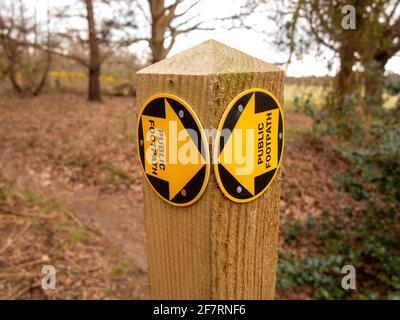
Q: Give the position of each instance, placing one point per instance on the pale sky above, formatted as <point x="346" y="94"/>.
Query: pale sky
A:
<point x="248" y="41"/>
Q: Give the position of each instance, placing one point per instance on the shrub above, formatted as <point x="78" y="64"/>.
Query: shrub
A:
<point x="366" y="236"/>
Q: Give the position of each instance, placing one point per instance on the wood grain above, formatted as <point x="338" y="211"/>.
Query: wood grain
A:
<point x="214" y="249"/>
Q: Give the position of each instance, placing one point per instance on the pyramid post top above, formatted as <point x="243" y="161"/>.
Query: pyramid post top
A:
<point x="210" y="57"/>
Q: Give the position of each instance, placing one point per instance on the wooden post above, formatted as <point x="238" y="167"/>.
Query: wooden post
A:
<point x="215" y="248"/>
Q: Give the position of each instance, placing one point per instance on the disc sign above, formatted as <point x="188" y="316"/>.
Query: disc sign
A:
<point x="249" y="145"/>
<point x="173" y="150"/>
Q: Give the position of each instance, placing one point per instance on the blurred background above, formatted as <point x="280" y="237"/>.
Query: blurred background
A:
<point x="70" y="183"/>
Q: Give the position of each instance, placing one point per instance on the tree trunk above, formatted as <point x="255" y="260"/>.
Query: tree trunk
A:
<point x="17" y="88"/>
<point x="374" y="83"/>
<point x="94" y="91"/>
<point x="157" y="49"/>
<point x="43" y="79"/>
<point x="344" y="82"/>
<point x="94" y="85"/>
<point x="161" y="18"/>
<point x="158" y="29"/>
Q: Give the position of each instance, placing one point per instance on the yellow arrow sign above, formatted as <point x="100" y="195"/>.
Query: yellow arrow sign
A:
<point x="173" y="149"/>
<point x="251" y="151"/>
<point x="172" y="156"/>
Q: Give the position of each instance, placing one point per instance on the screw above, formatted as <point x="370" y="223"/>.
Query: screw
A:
<point x="181" y="114"/>
<point x="240" y="108"/>
<point x="239" y="189"/>
<point x="141" y="142"/>
<point x="280" y="135"/>
<point x="183" y="193"/>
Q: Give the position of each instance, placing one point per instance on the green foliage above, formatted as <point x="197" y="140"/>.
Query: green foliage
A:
<point x="367" y="239"/>
<point x="50" y="205"/>
<point x="31" y="197"/>
<point x="5" y="187"/>
<point x="374" y="164"/>
<point x="292" y="230"/>
<point x="44" y="204"/>
<point x="308" y="88"/>
<point x="121" y="267"/>
<point x="318" y="271"/>
<point x="329" y="120"/>
<point x="366" y="234"/>
<point x="115" y="175"/>
<point x="77" y="235"/>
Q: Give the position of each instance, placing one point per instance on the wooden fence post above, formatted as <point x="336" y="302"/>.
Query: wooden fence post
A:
<point x="215" y="248"/>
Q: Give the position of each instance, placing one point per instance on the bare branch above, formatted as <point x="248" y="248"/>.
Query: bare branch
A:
<point x="193" y="5"/>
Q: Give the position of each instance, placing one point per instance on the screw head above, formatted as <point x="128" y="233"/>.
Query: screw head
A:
<point x="240" y="108"/>
<point x="239" y="189"/>
<point x="183" y="192"/>
<point x="141" y="142"/>
<point x="280" y="135"/>
<point x="181" y="113"/>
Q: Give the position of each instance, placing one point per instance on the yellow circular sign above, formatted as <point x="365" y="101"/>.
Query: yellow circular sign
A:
<point x="173" y="149"/>
<point x="249" y="145"/>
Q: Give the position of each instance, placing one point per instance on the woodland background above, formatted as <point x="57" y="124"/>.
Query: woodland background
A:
<point x="70" y="184"/>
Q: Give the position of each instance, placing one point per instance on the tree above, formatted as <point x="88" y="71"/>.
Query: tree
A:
<point x="163" y="26"/>
<point x="108" y="27"/>
<point x="26" y="68"/>
<point x="87" y="32"/>
<point x="379" y="36"/>
<point x="169" y="21"/>
<point x="311" y="25"/>
<point x="94" y="55"/>
<point x="89" y="56"/>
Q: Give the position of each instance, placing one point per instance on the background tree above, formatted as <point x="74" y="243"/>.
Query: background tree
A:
<point x="94" y="55"/>
<point x="379" y="38"/>
<point x="316" y="26"/>
<point x="167" y="21"/>
<point x="88" y="53"/>
<point x="26" y="67"/>
<point x="91" y="31"/>
<point x="91" y="38"/>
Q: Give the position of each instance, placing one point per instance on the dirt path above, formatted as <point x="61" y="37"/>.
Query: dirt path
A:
<point x="53" y="146"/>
